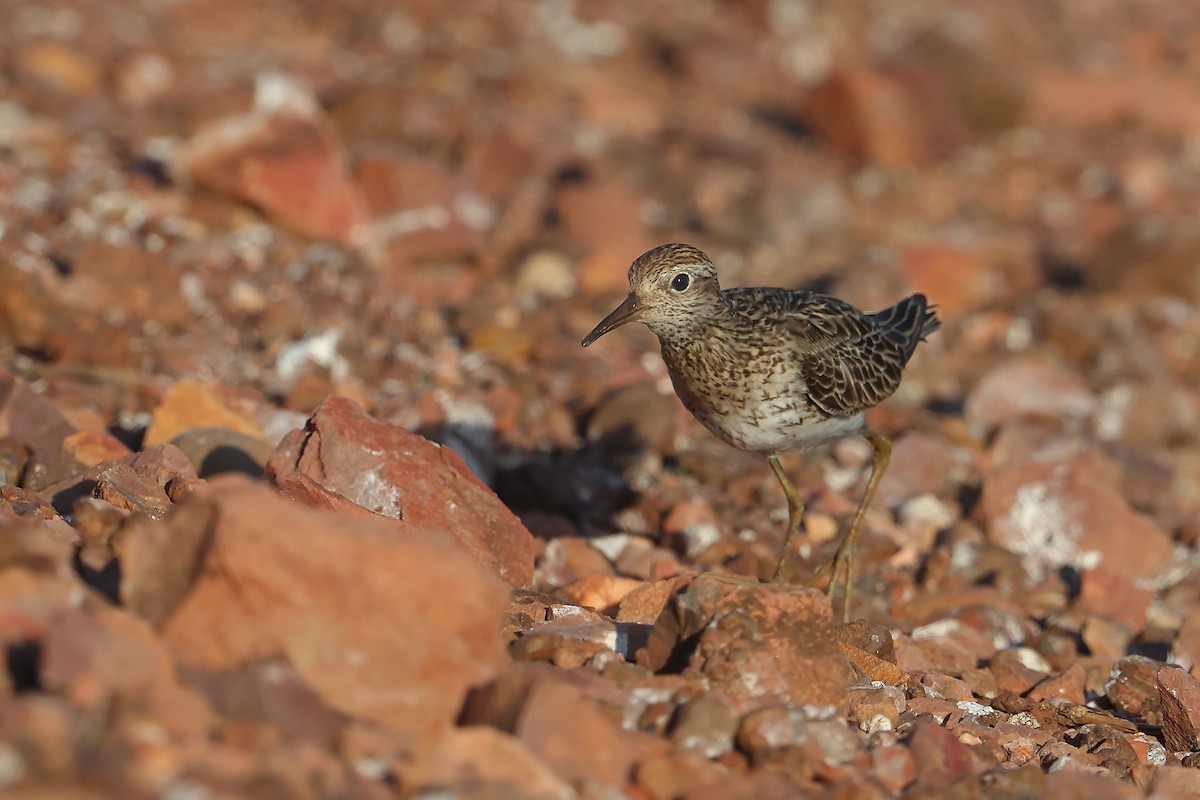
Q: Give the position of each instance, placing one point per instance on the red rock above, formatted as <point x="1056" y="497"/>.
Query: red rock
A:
<point x="1105" y="638"/>
<point x="601" y="592"/>
<point x="188" y="404"/>
<point x="90" y="449"/>
<point x="483" y="757"/>
<point x="1163" y="103"/>
<point x="136" y="482"/>
<point x="30" y="419"/>
<point x="756" y="641"/>
<point x="1067" y="511"/>
<point x="675" y="774"/>
<point x="284" y="158"/>
<point x="141" y="79"/>
<point x="1071" y="785"/>
<point x="941" y="758"/>
<point x="958" y="280"/>
<point x="1068" y="685"/>
<point x="572" y="735"/>
<point x="418" y="208"/>
<point x="405" y="477"/>
<point x="1133" y="689"/>
<point x="1175" y="781"/>
<point x="124" y="488"/>
<point x="1012" y="675"/>
<point x="109" y="656"/>
<point x="1185" y="650"/>
<point x="270" y="693"/>
<point x="346" y="601"/>
<point x="60" y="67"/>
<point x="1027" y="387"/>
<point x="646" y="602"/>
<point x="706" y="723"/>
<point x="775" y="732"/>
<point x="893" y="766"/>
<point x="1179" y="694"/>
<point x="891" y="117"/>
<point x="1107" y="592"/>
<point x="605" y="218"/>
<point x="566" y="559"/>
<point x="922" y="463"/>
<point x="123" y="281"/>
<point x="159" y="559"/>
<point x="875" y="708"/>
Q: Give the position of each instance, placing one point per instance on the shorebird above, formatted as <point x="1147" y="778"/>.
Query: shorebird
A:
<point x="774" y="370"/>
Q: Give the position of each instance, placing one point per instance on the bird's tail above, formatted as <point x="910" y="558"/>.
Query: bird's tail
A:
<point x="907" y="323"/>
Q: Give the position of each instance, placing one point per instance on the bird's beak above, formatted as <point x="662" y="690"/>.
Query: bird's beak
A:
<point x="629" y="311"/>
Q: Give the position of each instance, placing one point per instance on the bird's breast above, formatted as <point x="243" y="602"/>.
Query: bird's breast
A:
<point x="752" y="397"/>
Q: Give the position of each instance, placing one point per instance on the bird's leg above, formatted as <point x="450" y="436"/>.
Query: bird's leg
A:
<point x="844" y="559"/>
<point x="795" y="513"/>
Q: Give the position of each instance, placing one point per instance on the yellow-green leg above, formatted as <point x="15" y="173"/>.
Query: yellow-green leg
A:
<point x="843" y="560"/>
<point x="795" y="513"/>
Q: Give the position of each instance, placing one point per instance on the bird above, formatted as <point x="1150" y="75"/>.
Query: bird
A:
<point x="772" y="370"/>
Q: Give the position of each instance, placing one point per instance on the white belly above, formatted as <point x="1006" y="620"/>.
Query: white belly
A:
<point x="782" y="432"/>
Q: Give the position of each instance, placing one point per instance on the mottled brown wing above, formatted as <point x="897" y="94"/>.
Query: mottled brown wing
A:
<point x="848" y="363"/>
<point x="850" y="360"/>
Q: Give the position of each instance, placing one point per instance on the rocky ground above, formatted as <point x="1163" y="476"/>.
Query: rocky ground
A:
<point x="309" y="490"/>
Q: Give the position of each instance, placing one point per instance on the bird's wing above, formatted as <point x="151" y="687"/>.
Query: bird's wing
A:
<point x="847" y="362"/>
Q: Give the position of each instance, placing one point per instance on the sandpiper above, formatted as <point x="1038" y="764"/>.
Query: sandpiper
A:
<point x="774" y="370"/>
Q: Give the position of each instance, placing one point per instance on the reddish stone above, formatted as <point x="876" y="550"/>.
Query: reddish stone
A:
<point x="942" y="758"/>
<point x="1179" y="694"/>
<point x="416" y="203"/>
<point x="754" y="641"/>
<point x="126" y="280"/>
<point x="957" y="279"/>
<point x="1068" y="685"/>
<point x="284" y="158"/>
<point x="1068" y="511"/>
<point x="58" y="67"/>
<point x="572" y="735"/>
<point x="1133" y="689"/>
<point x="109" y="656"/>
<point x="482" y="756"/>
<point x="566" y="559"/>
<point x="893" y="766"/>
<point x="124" y="488"/>
<point x="646" y="602"/>
<point x="891" y="117"/>
<point x="1012" y="675"/>
<point x="189" y="404"/>
<point x="675" y="774"/>
<point x="1027" y="387"/>
<point x="407" y="478"/>
<point x="90" y="449"/>
<point x="136" y="482"/>
<point x="605" y="218"/>
<point x="601" y="592"/>
<point x="1164" y="103"/>
<point x="346" y="601"/>
<point x="30" y="419"/>
<point x="1109" y="593"/>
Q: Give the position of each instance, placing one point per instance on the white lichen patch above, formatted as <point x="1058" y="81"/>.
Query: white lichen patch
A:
<point x="1041" y="529"/>
<point x="373" y="492"/>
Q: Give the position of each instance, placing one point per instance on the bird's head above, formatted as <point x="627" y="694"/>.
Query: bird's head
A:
<point x="671" y="288"/>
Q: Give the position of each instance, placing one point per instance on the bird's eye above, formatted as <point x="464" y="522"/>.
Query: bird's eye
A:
<point x="680" y="282"/>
